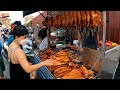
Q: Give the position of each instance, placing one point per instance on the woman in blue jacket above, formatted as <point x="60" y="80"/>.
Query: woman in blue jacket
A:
<point x="2" y="66"/>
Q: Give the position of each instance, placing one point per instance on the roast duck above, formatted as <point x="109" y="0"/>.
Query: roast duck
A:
<point x="75" y="18"/>
<point x="63" y="67"/>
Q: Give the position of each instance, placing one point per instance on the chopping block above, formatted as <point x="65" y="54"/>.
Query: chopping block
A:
<point x="91" y="57"/>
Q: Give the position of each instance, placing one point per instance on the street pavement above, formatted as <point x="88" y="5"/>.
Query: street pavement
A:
<point x="7" y="65"/>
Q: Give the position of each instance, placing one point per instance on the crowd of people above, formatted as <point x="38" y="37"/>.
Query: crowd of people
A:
<point x="20" y="67"/>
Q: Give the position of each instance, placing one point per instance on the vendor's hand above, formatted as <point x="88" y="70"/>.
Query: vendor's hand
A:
<point x="48" y="62"/>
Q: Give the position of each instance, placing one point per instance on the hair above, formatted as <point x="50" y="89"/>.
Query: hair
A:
<point x="20" y="30"/>
<point x="0" y="23"/>
<point x="42" y="33"/>
<point x="17" y="23"/>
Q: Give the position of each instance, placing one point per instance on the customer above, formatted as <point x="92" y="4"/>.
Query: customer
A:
<point x="20" y="68"/>
<point x="43" y="35"/>
<point x="2" y="66"/>
<point x="1" y="36"/>
<point x="11" y="38"/>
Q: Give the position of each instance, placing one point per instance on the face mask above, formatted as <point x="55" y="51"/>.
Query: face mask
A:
<point x="0" y="29"/>
<point x="23" y="42"/>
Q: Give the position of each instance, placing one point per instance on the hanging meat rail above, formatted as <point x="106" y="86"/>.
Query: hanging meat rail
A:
<point x="83" y="22"/>
<point x="74" y="18"/>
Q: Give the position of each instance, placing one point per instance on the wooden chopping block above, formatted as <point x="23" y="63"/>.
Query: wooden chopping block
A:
<point x="90" y="57"/>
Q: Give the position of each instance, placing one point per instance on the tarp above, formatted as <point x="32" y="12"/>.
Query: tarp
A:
<point x="25" y="13"/>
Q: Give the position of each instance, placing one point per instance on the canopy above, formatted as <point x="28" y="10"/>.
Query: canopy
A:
<point x="25" y="13"/>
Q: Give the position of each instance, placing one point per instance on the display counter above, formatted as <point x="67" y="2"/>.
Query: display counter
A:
<point x="42" y="72"/>
<point x="109" y="66"/>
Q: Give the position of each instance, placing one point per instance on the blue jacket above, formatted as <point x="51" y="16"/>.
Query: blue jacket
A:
<point x="2" y="66"/>
<point x="0" y="47"/>
<point x="10" y="40"/>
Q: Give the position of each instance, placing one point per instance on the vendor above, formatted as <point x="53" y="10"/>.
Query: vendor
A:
<point x="91" y="41"/>
<point x="43" y="36"/>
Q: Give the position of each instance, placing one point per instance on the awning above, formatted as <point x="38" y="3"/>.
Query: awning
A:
<point x="28" y="21"/>
<point x="25" y="13"/>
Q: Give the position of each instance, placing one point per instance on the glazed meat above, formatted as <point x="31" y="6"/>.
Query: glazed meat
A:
<point x="63" y="65"/>
<point x="60" y="72"/>
<point x="84" y="71"/>
<point x="74" y="74"/>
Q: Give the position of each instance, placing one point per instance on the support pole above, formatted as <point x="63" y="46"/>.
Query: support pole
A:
<point x="102" y="59"/>
<point x="42" y="15"/>
<point x="107" y="25"/>
<point x="48" y="32"/>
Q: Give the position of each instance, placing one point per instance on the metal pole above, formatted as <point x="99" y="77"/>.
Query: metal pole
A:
<point x="42" y="15"/>
<point x="48" y="32"/>
<point x="104" y="39"/>
<point x="107" y="25"/>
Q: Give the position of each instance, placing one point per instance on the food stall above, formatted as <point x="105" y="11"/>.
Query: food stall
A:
<point x="66" y="27"/>
<point x="98" y="62"/>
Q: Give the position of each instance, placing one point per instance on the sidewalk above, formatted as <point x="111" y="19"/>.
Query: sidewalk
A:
<point x="7" y="65"/>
